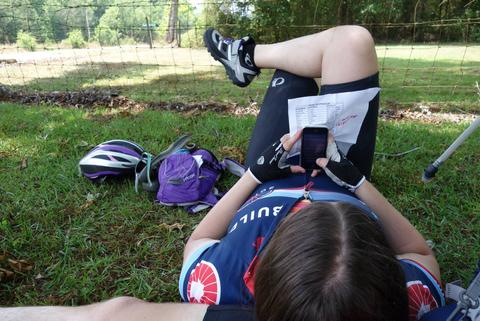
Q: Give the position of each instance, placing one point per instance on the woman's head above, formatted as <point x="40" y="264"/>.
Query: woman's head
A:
<point x="329" y="262"/>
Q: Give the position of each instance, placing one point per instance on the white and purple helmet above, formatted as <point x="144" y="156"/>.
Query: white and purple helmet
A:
<point x="111" y="158"/>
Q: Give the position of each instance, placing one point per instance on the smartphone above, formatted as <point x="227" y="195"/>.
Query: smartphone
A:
<point x="313" y="146"/>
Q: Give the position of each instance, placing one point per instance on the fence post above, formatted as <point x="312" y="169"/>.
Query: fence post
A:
<point x="149" y="31"/>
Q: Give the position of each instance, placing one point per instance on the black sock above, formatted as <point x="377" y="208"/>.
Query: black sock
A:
<point x="249" y="49"/>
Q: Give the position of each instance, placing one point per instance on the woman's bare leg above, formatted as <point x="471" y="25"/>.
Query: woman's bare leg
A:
<point x="345" y="59"/>
<point x="337" y="55"/>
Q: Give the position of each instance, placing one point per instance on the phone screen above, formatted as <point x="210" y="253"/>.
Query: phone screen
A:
<point x="314" y="145"/>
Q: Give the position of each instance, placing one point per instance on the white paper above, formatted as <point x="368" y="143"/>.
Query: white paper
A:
<point x="341" y="113"/>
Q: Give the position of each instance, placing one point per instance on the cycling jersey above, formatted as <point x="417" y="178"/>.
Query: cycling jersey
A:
<point x="222" y="272"/>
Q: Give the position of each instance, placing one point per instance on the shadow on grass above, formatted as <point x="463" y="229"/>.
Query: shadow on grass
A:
<point x="86" y="252"/>
<point x="153" y="83"/>
<point x="114" y="245"/>
<point x="403" y="81"/>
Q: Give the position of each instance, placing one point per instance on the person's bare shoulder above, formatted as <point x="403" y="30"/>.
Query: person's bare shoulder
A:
<point x="428" y="261"/>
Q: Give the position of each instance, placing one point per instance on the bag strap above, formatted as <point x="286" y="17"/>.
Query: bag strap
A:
<point x="228" y="164"/>
<point x="148" y="168"/>
<point x="210" y="200"/>
<point x="453" y="290"/>
<point x="144" y="163"/>
<point x="233" y="167"/>
<point x="468" y="301"/>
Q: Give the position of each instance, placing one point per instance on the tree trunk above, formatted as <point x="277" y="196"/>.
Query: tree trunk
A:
<point x="344" y="13"/>
<point x="408" y="8"/>
<point x="172" y="23"/>
<point x="340" y="12"/>
<point x="149" y="33"/>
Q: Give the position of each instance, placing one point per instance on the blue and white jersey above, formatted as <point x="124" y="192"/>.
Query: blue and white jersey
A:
<point x="222" y="272"/>
<point x="424" y="290"/>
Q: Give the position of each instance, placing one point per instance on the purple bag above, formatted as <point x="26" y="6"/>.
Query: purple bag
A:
<point x="188" y="179"/>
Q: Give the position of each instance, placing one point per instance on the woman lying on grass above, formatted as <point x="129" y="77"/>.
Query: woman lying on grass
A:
<point x="296" y="245"/>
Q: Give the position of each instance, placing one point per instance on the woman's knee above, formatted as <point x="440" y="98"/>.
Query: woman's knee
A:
<point x="350" y="55"/>
<point x="357" y="38"/>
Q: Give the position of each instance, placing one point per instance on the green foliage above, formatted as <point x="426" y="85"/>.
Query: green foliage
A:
<point x="106" y="36"/>
<point x="271" y="17"/>
<point x="64" y="16"/>
<point x="106" y="33"/>
<point x="75" y="39"/>
<point x="26" y="41"/>
<point x="268" y="20"/>
<point x="474" y="28"/>
<point x="120" y="22"/>
<point x="192" y="39"/>
<point x="48" y="42"/>
<point x="275" y="20"/>
<point x="23" y="15"/>
<point x="127" y="41"/>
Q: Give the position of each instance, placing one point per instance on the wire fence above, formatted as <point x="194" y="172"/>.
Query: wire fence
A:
<point x="121" y="47"/>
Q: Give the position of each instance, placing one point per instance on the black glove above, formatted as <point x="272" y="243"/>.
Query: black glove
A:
<point x="271" y="164"/>
<point x="341" y="170"/>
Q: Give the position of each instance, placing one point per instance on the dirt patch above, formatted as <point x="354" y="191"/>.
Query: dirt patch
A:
<point x="93" y="98"/>
<point x="86" y="99"/>
<point x="8" y="61"/>
<point x="424" y="113"/>
<point x="234" y="152"/>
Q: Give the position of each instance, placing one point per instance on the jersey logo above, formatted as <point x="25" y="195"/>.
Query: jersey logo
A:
<point x="420" y="300"/>
<point x="204" y="284"/>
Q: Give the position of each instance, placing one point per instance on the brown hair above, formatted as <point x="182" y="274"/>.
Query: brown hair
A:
<point x="329" y="262"/>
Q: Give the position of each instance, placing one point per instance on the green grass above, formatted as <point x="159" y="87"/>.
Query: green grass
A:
<point x="116" y="245"/>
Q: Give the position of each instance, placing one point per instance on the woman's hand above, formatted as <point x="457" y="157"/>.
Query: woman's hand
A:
<point x="339" y="168"/>
<point x="272" y="163"/>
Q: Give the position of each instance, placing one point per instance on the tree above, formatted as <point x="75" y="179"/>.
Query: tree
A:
<point x="268" y="20"/>
<point x="172" y="32"/>
<point x="121" y="22"/>
<point x="22" y="15"/>
<point x="65" y="16"/>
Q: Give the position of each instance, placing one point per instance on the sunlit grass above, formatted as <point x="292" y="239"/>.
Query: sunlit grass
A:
<point x="440" y="52"/>
<point x="443" y="75"/>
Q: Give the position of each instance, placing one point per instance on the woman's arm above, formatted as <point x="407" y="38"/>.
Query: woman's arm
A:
<point x="214" y="224"/>
<point x="118" y="309"/>
<point x="402" y="236"/>
<point x="271" y="164"/>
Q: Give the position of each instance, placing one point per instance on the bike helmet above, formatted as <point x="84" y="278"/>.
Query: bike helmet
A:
<point x="111" y="158"/>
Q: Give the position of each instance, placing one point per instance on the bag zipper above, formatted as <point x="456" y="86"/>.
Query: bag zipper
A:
<point x="306" y="190"/>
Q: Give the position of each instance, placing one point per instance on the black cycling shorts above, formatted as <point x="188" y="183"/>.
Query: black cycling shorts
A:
<point x="230" y="313"/>
<point x="272" y="121"/>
